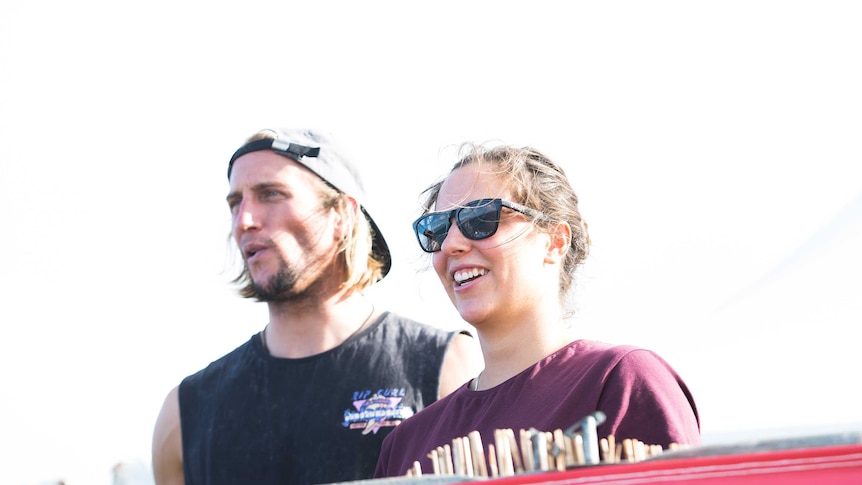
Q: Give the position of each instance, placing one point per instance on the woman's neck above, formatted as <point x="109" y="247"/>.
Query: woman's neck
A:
<point x="508" y="352"/>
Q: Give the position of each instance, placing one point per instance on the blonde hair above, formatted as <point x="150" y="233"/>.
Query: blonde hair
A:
<point x="534" y="181"/>
<point x="360" y="267"/>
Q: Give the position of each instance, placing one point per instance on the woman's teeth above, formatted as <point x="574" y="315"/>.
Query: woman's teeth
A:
<point x="466" y="275"/>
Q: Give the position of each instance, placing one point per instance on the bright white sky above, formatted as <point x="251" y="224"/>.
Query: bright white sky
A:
<point x="715" y="147"/>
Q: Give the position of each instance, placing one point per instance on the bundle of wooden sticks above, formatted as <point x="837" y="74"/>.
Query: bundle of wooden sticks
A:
<point x="535" y="450"/>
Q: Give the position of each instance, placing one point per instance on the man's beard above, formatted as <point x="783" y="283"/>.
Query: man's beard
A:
<point x="279" y="287"/>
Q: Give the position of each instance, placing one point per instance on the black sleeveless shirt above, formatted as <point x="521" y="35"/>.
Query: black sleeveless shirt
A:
<point x="250" y="418"/>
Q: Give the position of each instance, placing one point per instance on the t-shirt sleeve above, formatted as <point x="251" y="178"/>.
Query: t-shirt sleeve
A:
<point x="645" y="399"/>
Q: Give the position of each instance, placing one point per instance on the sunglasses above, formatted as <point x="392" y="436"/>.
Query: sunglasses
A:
<point x="477" y="220"/>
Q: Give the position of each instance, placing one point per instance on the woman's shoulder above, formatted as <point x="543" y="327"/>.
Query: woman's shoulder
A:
<point x="600" y="349"/>
<point x="594" y="353"/>
<point x="622" y="359"/>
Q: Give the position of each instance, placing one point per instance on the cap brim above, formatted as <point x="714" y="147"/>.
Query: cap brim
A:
<point x="378" y="246"/>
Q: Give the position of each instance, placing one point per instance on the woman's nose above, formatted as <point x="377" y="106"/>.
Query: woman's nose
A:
<point x="455" y="242"/>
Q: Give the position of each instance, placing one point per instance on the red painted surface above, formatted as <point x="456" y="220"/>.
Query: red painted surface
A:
<point x="832" y="465"/>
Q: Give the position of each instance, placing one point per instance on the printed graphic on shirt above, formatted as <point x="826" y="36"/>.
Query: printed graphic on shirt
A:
<point x="374" y="410"/>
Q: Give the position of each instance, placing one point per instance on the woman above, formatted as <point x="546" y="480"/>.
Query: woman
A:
<point x="505" y="241"/>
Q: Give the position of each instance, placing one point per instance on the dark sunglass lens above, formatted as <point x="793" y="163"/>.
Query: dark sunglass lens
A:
<point x="431" y="231"/>
<point x="479" y="222"/>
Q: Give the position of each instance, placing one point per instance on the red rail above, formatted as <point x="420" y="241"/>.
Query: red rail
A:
<point x="833" y="465"/>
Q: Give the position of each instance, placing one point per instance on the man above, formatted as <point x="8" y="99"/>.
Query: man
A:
<point x="310" y="398"/>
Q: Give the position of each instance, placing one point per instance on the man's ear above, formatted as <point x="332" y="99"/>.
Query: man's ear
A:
<point x="559" y="243"/>
<point x="345" y="216"/>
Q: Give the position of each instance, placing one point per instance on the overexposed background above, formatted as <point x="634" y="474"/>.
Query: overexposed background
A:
<point x="715" y="147"/>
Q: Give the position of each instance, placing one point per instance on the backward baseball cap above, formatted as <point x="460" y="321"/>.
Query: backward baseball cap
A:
<point x="317" y="152"/>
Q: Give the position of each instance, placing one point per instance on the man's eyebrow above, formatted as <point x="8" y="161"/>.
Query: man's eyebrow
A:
<point x="233" y="195"/>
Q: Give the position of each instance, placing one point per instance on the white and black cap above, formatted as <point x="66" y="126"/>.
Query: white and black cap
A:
<point x="317" y="152"/>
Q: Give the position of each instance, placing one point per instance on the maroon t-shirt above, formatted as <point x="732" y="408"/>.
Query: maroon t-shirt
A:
<point x="642" y="397"/>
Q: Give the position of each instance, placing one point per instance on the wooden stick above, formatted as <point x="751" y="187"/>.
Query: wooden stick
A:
<point x="447" y="455"/>
<point x="515" y="449"/>
<point x="560" y="450"/>
<point x="527" y="451"/>
<point x="570" y="451"/>
<point x="677" y="446"/>
<point x="441" y="459"/>
<point x="629" y="448"/>
<point x="535" y="451"/>
<point x="550" y="450"/>
<point x="540" y="450"/>
<point x="435" y="462"/>
<point x="499" y="452"/>
<point x="510" y="453"/>
<point x="477" y="451"/>
<point x="492" y="461"/>
<point x="458" y="457"/>
<point x="508" y="460"/>
<point x="468" y="456"/>
<point x="605" y="449"/>
<point x="579" y="449"/>
<point x="612" y="449"/>
<point x="639" y="448"/>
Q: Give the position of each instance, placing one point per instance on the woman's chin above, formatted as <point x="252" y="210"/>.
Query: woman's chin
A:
<point x="472" y="315"/>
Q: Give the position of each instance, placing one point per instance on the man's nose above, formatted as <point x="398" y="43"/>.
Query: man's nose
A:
<point x="246" y="217"/>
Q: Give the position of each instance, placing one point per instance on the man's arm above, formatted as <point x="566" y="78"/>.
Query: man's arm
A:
<point x="463" y="361"/>
<point x="168" y="443"/>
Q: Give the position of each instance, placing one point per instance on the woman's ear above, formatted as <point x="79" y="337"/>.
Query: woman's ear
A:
<point x="560" y="240"/>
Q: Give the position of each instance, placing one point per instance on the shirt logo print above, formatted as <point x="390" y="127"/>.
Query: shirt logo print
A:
<point x="372" y="411"/>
